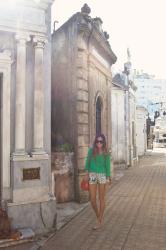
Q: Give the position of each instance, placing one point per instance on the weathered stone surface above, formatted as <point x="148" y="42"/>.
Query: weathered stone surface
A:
<point x="82" y="74"/>
<point x="82" y="152"/>
<point x="82" y="84"/>
<point x="63" y="172"/>
<point x="64" y="187"/>
<point x="5" y="225"/>
<point x="40" y="216"/>
<point x="82" y="95"/>
<point x="81" y="163"/>
<point x="82" y="106"/>
<point x="83" y="129"/>
<point x="83" y="140"/>
<point x="82" y="118"/>
<point x="82" y="60"/>
<point x="62" y="160"/>
<point x="30" y="190"/>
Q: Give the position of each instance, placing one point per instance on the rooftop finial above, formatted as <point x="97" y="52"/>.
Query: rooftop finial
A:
<point x="85" y="9"/>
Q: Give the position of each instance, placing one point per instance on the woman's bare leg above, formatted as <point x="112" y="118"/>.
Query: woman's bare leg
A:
<point x="93" y="199"/>
<point x="102" y="192"/>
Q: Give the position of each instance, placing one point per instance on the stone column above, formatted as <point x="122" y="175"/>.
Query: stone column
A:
<point x="20" y="95"/>
<point x="38" y="140"/>
<point x="5" y="69"/>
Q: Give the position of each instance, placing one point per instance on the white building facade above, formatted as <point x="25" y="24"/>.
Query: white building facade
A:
<point x="25" y="131"/>
<point x="141" y="131"/>
<point x="124" y="149"/>
<point x="150" y="92"/>
<point x="119" y="142"/>
<point x="130" y="113"/>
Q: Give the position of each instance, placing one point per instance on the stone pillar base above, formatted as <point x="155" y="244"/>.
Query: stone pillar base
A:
<point x="39" y="216"/>
<point x="18" y="156"/>
<point x="31" y="179"/>
<point x="39" y="153"/>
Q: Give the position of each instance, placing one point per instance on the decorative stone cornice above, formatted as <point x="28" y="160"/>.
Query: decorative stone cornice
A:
<point x="42" y="4"/>
<point x="40" y="40"/>
<point x="22" y="37"/>
<point x="91" y="29"/>
<point x="90" y="33"/>
<point x="5" y="57"/>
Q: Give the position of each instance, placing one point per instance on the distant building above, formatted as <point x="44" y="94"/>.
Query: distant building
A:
<point x="119" y="128"/>
<point x="141" y="130"/>
<point x="130" y="112"/>
<point x="81" y="86"/>
<point x="150" y="92"/>
<point x="124" y="149"/>
<point x="159" y="131"/>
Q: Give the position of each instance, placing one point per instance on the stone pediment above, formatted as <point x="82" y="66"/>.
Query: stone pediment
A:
<point x="23" y="15"/>
<point x="93" y="33"/>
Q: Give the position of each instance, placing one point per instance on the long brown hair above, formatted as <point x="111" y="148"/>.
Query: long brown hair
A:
<point x="104" y="147"/>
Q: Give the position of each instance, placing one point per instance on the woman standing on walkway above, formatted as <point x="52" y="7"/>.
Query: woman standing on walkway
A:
<point x="98" y="173"/>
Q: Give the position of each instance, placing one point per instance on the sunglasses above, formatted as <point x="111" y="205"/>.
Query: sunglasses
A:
<point x="99" y="141"/>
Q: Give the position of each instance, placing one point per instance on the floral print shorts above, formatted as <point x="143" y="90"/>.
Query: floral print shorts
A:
<point x="95" y="178"/>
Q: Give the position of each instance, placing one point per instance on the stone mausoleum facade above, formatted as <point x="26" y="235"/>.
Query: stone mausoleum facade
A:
<point x="81" y="86"/>
<point x="25" y="114"/>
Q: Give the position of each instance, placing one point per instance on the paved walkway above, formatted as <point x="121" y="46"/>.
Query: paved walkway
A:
<point x="135" y="217"/>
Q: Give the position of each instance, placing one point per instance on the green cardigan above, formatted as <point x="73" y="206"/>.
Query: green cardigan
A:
<point x="100" y="164"/>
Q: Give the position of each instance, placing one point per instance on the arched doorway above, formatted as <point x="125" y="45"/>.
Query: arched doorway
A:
<point x="98" y="115"/>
